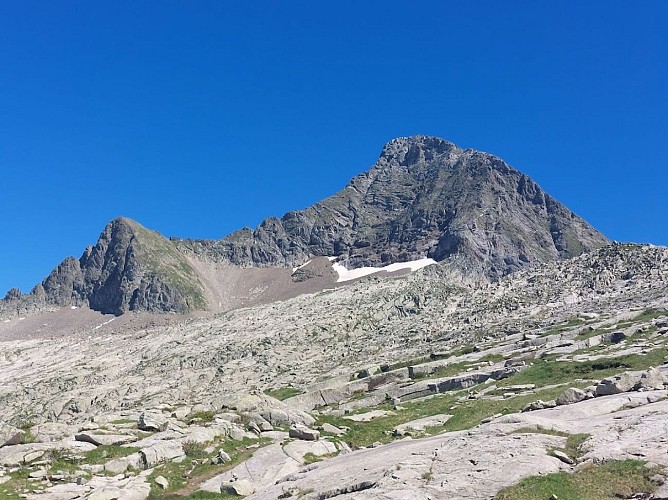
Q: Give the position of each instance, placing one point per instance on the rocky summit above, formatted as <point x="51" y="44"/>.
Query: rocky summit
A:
<point x="424" y="198"/>
<point x="439" y="329"/>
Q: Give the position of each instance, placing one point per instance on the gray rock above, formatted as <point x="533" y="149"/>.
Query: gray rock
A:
<point x="303" y="432"/>
<point x="570" y="396"/>
<point x="331" y="429"/>
<point x="240" y="487"/>
<point x="651" y="380"/>
<point x="152" y="422"/>
<point x="563" y="457"/>
<point x="9" y="435"/>
<point x="162" y="482"/>
<point x="624" y="382"/>
<point x="160" y="452"/>
<point x="120" y="465"/>
<point x="539" y="405"/>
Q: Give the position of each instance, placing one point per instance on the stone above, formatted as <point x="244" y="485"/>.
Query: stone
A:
<point x="120" y="465"/>
<point x="539" y="405"/>
<point x="38" y="474"/>
<point x="162" y="482"/>
<point x="570" y="396"/>
<point x="303" y="432"/>
<point x="221" y="458"/>
<point x="624" y="382"/>
<point x="298" y="449"/>
<point x="9" y="435"/>
<point x="651" y="380"/>
<point x="419" y="425"/>
<point x="331" y="429"/>
<point x="105" y="439"/>
<point x="240" y="487"/>
<point x="563" y="457"/>
<point x="152" y="422"/>
<point x="106" y="493"/>
<point x="160" y="452"/>
<point x="236" y="434"/>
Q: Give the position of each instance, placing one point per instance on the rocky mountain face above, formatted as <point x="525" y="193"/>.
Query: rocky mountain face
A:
<point x="130" y="268"/>
<point x="424" y="197"/>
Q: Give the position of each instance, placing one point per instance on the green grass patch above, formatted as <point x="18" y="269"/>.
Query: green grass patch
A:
<point x="540" y="430"/>
<point x="104" y="453"/>
<point x="310" y="458"/>
<point x="197" y="467"/>
<point x="283" y="393"/>
<point x="443" y="371"/>
<point x="465" y="415"/>
<point x="608" y="481"/>
<point x="204" y="416"/>
<point x="546" y="371"/>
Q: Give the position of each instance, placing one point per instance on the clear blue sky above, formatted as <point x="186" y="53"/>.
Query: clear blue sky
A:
<point x="199" y="117"/>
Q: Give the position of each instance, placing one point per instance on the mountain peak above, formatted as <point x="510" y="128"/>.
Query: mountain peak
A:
<point x="424" y="198"/>
<point x="409" y="150"/>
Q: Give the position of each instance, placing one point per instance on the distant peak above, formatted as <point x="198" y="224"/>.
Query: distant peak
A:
<point x="410" y="150"/>
<point x="122" y="221"/>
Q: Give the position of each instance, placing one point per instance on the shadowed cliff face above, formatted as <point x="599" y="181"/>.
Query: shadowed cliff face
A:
<point x="424" y="197"/>
<point x="129" y="268"/>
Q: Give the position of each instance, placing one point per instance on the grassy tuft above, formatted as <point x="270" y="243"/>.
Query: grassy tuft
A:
<point x="612" y="480"/>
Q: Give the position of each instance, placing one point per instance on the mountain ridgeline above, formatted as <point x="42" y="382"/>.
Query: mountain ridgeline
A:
<point x="424" y="197"/>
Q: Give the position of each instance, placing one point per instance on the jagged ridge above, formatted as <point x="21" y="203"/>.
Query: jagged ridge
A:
<point x="424" y="197"/>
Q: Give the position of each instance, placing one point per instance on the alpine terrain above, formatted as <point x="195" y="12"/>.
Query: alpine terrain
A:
<point x="441" y="328"/>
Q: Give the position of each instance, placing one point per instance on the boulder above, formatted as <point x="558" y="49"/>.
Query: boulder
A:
<point x="624" y="382"/>
<point x="331" y="429"/>
<point x="539" y="405"/>
<point x="570" y="396"/>
<point x="303" y="432"/>
<point x="120" y="465"/>
<point x="298" y="449"/>
<point x="9" y="435"/>
<point x="162" y="482"/>
<point x="221" y="458"/>
<point x="152" y="422"/>
<point x="240" y="488"/>
<point x="651" y="380"/>
<point x="563" y="457"/>
<point x="160" y="452"/>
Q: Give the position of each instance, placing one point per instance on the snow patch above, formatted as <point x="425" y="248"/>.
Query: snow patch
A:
<point x="347" y="275"/>
<point x="299" y="267"/>
<point x="105" y="323"/>
<point x="73" y="307"/>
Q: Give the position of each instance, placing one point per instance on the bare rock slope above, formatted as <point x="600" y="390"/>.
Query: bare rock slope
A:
<point x="399" y="387"/>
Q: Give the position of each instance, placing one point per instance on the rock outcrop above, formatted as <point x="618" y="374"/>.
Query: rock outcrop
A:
<point x="129" y="269"/>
